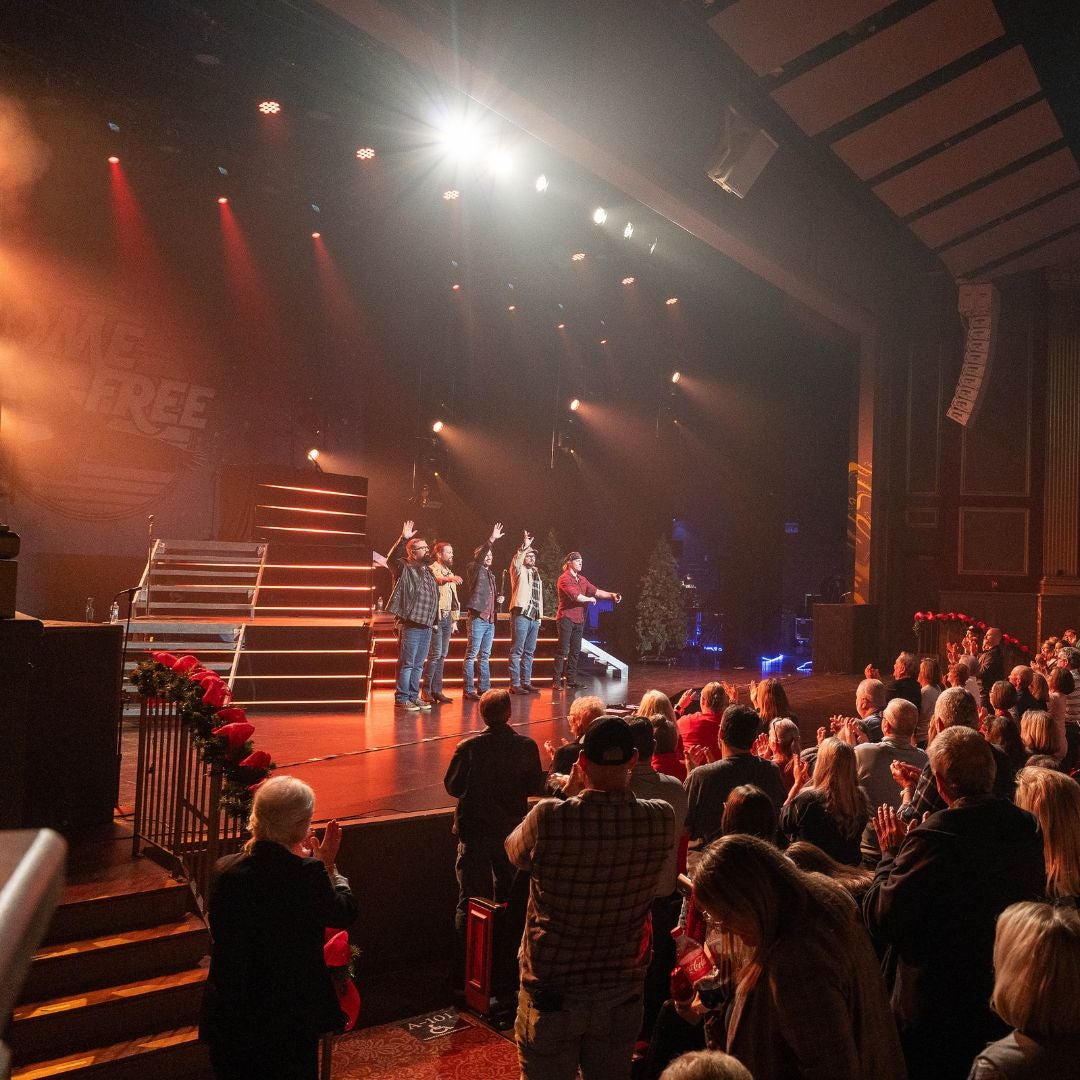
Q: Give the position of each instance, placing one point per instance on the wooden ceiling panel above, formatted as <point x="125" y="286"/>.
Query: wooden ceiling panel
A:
<point x="928" y="120"/>
<point x="1014" y="234"/>
<point x="1040" y="178"/>
<point x="766" y="36"/>
<point x="908" y="51"/>
<point x="965" y="162"/>
<point x="1063" y="250"/>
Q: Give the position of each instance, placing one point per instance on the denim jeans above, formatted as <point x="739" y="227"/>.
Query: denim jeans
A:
<point x="415" y="641"/>
<point x="440" y="646"/>
<point x="522" y="648"/>
<point x="481" y="635"/>
<point x="566" y="660"/>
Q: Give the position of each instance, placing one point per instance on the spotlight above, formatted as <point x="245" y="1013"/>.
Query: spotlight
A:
<point x="113" y="126"/>
<point x="316" y="235"/>
<point x="512" y="307"/>
<point x="575" y="405"/>
<point x="452" y="194"/>
<point x="629" y="230"/>
<point x="437" y="426"/>
<point x="541" y="183"/>
<point x="652" y="246"/>
<point x="671" y="300"/>
<point x="603" y="341"/>
<point x="269" y="108"/>
<point x="222" y="170"/>
<point x="676" y="376"/>
<point x="500" y="162"/>
<point x="629" y="280"/>
<point x="113" y="159"/>
<point x="222" y="199"/>
<point x="561" y="326"/>
<point x="313" y="454"/>
<point x="456" y="287"/>
<point x="316" y="208"/>
<point x="365" y="153"/>
<point x="599" y="215"/>
<point x="578" y="256"/>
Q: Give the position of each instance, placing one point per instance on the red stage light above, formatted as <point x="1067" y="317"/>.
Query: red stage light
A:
<point x="269" y="108"/>
<point x="365" y="153"/>
<point x="222" y="199"/>
<point x="114" y="160"/>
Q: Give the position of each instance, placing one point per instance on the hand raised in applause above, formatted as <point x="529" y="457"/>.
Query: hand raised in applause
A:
<point x="871" y="672"/>
<point x="891" y="829"/>
<point x="732" y="692"/>
<point x="408" y="529"/>
<point x="761" y="746"/>
<point x="496" y="532"/>
<point x="697" y="755"/>
<point x="327" y="848"/>
<point x="526" y="540"/>
<point x="822" y="735"/>
<point x="907" y="776"/>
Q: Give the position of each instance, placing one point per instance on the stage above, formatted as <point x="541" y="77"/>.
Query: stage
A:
<point x="386" y="761"/>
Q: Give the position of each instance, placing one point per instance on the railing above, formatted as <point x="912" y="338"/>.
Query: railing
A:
<point x="178" y="799"/>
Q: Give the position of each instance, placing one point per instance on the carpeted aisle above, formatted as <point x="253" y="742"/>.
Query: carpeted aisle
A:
<point x="473" y="1053"/>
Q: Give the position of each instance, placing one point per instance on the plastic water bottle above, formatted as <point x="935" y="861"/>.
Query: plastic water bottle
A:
<point x="89" y="617"/>
<point x="114" y="612"/>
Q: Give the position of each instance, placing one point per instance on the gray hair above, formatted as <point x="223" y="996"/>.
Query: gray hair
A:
<point x="961" y="759"/>
<point x="956" y="706"/>
<point x="873" y="691"/>
<point x="282" y="811"/>
<point x="903" y="716"/>
<point x="706" y="1065"/>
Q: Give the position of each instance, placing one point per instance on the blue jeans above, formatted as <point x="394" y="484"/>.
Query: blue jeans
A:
<point x="415" y="641"/>
<point x="440" y="646"/>
<point x="522" y="648"/>
<point x="481" y="635"/>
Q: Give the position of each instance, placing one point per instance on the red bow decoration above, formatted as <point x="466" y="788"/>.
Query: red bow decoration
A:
<point x="236" y="735"/>
<point x="204" y="676"/>
<point x="338" y="955"/>
<point x="185" y="664"/>
<point x="165" y="658"/>
<point x="257" y="759"/>
<point x="231" y="714"/>
<point x="216" y="694"/>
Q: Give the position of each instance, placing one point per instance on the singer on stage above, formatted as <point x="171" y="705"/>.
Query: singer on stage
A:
<point x="576" y="593"/>
<point x="481" y="599"/>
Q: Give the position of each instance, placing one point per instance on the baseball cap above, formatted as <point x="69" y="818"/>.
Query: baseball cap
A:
<point x="609" y="741"/>
<point x="570" y="556"/>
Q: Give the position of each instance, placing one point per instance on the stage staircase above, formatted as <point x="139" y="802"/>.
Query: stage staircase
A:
<point x="114" y="991"/>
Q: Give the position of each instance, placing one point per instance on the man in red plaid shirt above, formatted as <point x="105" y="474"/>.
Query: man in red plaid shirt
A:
<point x="595" y="860"/>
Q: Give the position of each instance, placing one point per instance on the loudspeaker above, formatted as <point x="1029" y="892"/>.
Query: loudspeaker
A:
<point x="739" y="160"/>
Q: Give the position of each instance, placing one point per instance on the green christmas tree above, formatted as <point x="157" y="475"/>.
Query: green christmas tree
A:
<point x="549" y="562"/>
<point x="661" y="612"/>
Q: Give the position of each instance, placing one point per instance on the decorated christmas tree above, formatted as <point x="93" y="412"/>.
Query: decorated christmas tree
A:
<point x="661" y="613"/>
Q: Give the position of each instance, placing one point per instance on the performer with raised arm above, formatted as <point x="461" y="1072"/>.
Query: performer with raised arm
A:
<point x="481" y="600"/>
<point x="449" y="613"/>
<point x="576" y="593"/>
<point x="526" y="611"/>
<point x="414" y="603"/>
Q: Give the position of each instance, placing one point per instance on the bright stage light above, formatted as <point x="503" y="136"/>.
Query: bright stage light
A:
<point x="365" y="153"/>
<point x="113" y="126"/>
<point x="671" y="300"/>
<point x="222" y="171"/>
<point x="578" y="256"/>
<point x="652" y="246"/>
<point x="313" y="454"/>
<point x="113" y="159"/>
<point x="561" y="326"/>
<point x="599" y="215"/>
<point x="316" y="235"/>
<point x="541" y="183"/>
<point x="269" y="108"/>
<point x="676" y="376"/>
<point x="460" y="138"/>
<point x="223" y="199"/>
<point x="575" y="405"/>
<point x="603" y="341"/>
<point x="456" y="287"/>
<point x="500" y="162"/>
<point x="512" y="307"/>
<point x="628" y="280"/>
<point x="451" y="195"/>
<point x="437" y="426"/>
<point x="629" y="230"/>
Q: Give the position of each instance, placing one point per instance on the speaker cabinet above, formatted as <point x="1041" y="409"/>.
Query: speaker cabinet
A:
<point x="740" y="159"/>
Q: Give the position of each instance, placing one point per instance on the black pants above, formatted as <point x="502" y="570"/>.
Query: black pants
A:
<point x="566" y="660"/>
<point x="665" y="914"/>
<point x="275" y="1058"/>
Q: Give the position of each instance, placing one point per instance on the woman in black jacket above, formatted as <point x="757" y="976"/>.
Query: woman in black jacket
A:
<point x="269" y="996"/>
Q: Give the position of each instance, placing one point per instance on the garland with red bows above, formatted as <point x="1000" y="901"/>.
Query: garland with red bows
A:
<point x="220" y="731"/>
<point x="959" y="617"/>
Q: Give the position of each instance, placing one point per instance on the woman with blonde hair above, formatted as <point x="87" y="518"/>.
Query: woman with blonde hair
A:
<point x="656" y="706"/>
<point x="930" y="686"/>
<point x="1037" y="732"/>
<point x="809" y="999"/>
<point x="1054" y="799"/>
<point x="771" y="701"/>
<point x="784" y="745"/>
<point x="833" y="810"/>
<point x="1036" y="990"/>
<point x="269" y="996"/>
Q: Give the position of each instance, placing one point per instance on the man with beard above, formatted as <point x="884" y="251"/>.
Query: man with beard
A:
<point x="481" y="599"/>
<point x="576" y="593"/>
<point x="414" y="603"/>
<point x="449" y="613"/>
<point x="526" y="611"/>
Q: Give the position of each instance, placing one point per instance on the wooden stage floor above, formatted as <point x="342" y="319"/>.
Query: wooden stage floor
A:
<point x="386" y="761"/>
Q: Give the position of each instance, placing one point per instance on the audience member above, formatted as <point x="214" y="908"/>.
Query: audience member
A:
<point x="810" y="1001"/>
<point x="709" y="785"/>
<point x="583" y="711"/>
<point x="869" y="701"/>
<point x="1040" y="691"/>
<point x="1003" y="698"/>
<point x="1037" y="733"/>
<point x="905" y="683"/>
<point x="750" y="811"/>
<point x="1054" y="799"/>
<point x="833" y="810"/>
<point x="492" y="776"/>
<point x="783" y="745"/>
<point x="269" y="997"/>
<point x="1021" y="678"/>
<point x="770" y="699"/>
<point x="703" y="728"/>
<point x="930" y="685"/>
<point x="991" y="662"/>
<point x="1062" y="686"/>
<point x="934" y="899"/>
<point x="595" y="860"/>
<point x="706" y="1065"/>
<point x="1036" y="990"/>
<point x="855" y="880"/>
<point x="668" y="755"/>
<point x="1004" y="733"/>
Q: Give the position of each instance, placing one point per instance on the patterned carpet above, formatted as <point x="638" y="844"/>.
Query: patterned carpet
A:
<point x="389" y="1052"/>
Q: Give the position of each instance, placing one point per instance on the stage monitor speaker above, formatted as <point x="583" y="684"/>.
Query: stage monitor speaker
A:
<point x="845" y="638"/>
<point x="742" y="156"/>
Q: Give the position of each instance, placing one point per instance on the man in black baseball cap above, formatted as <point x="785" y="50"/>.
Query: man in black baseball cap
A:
<point x="576" y="593"/>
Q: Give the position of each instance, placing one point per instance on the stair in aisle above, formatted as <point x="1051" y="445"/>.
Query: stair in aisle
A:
<point x="114" y="991"/>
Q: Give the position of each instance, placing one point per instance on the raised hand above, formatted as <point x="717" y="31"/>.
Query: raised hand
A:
<point x="891" y="829"/>
<point x="696" y="755"/>
<point x="800" y="770"/>
<point x="526" y="539"/>
<point x="907" y="776"/>
<point x="837" y="722"/>
<point x="732" y="692"/>
<point x="617" y="597"/>
<point x="496" y="531"/>
<point x="408" y="529"/>
<point x="327" y="848"/>
<point x="761" y="746"/>
<point x="871" y="672"/>
<point x="753" y="693"/>
<point x="822" y="735"/>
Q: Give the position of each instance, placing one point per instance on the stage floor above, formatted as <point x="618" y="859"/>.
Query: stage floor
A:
<point x="386" y="761"/>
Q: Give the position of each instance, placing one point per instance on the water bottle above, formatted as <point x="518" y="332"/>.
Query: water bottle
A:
<point x="89" y="609"/>
<point x="114" y="612"/>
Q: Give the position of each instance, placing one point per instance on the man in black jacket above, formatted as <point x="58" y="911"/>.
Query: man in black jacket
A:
<point x="935" y="899"/>
<point x="492" y="776"/>
<point x="481" y="600"/>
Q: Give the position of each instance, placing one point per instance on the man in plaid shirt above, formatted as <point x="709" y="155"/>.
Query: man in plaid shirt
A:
<point x="595" y="861"/>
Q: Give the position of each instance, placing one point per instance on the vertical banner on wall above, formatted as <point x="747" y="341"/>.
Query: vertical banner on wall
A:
<point x="979" y="307"/>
